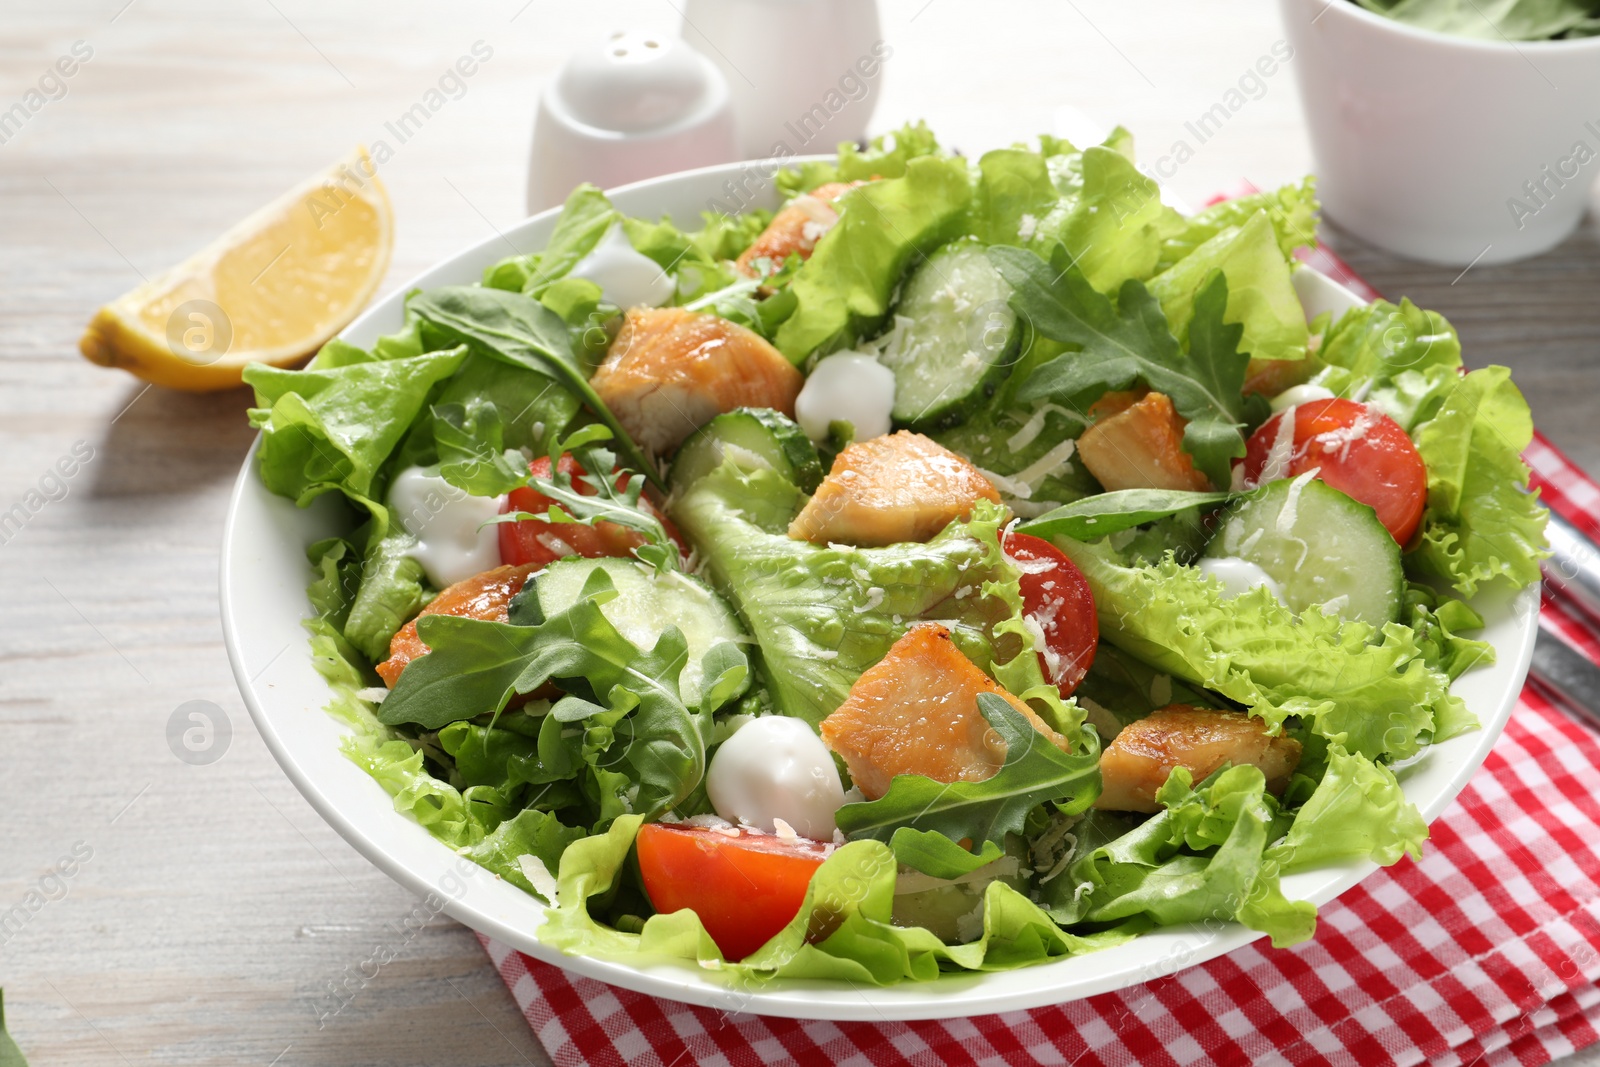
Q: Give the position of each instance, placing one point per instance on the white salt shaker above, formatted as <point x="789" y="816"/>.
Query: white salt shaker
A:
<point x="630" y="107"/>
<point x="805" y="74"/>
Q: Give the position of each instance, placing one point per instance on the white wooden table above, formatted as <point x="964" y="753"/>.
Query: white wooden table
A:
<point x="214" y="907"/>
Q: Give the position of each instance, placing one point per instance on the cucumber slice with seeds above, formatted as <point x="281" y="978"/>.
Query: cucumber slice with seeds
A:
<point x="647" y="602"/>
<point x="755" y="438"/>
<point x="1321" y="547"/>
<point x="954" y="339"/>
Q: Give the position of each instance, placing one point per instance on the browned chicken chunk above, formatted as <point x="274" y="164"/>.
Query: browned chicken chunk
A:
<point x="894" y="488"/>
<point x="1138" y="444"/>
<point x="795" y="229"/>
<point x="916" y="712"/>
<point x="671" y="371"/>
<point x="483" y="596"/>
<point x="1136" y="764"/>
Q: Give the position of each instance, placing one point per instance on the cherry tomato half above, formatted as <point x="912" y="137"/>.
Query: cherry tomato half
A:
<point x="534" y="541"/>
<point x="1355" y="448"/>
<point x="744" y="887"/>
<point x="1056" y="595"/>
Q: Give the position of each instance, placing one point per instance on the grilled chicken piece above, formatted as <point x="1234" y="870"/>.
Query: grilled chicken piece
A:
<point x="1137" y="762"/>
<point x="916" y="712"/>
<point x="796" y="228"/>
<point x="898" y="487"/>
<point x="483" y="596"/>
<point x="1139" y="446"/>
<point x="671" y="371"/>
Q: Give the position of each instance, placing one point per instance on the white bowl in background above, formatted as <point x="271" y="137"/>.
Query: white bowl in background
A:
<point x="1446" y="149"/>
<point x="263" y="580"/>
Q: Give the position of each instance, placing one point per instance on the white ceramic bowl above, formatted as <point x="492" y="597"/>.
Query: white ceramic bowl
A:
<point x="263" y="579"/>
<point x="1441" y="148"/>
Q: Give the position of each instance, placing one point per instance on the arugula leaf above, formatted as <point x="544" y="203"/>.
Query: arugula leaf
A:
<point x="615" y="498"/>
<point x="1130" y="341"/>
<point x="645" y="749"/>
<point x="470" y="441"/>
<point x="523" y="332"/>
<point x="1108" y="513"/>
<point x="1035" y="771"/>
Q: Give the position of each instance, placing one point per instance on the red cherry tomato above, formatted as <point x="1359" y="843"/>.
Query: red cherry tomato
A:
<point x="744" y="887"/>
<point x="1056" y="595"/>
<point x="1355" y="448"/>
<point x="534" y="541"/>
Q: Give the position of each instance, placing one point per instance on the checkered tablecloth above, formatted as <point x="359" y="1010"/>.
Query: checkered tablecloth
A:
<point x="1486" y="951"/>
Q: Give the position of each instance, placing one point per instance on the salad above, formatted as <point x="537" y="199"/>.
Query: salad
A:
<point x="968" y="564"/>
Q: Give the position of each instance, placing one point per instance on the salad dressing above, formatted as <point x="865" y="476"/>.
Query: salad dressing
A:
<point x="626" y="277"/>
<point x="1239" y="576"/>
<point x="453" y="544"/>
<point x="847" y="387"/>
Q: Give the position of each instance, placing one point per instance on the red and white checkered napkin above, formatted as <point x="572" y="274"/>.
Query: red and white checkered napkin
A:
<point x="1488" y="950"/>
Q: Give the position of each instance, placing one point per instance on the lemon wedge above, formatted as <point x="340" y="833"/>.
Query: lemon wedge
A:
<point x="272" y="289"/>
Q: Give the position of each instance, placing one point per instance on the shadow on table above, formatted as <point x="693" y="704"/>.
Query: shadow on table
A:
<point x="166" y="441"/>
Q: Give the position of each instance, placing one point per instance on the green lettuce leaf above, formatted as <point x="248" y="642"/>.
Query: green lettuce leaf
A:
<point x="1369" y="690"/>
<point x="1035" y="772"/>
<point x="842" y="292"/>
<point x="1261" y="295"/>
<point x="1438" y="621"/>
<point x="1114" y="223"/>
<point x="842" y="932"/>
<point x="1202" y="859"/>
<point x="1012" y="184"/>
<point x="1292" y="210"/>
<point x="332" y="425"/>
<point x="1358" y="811"/>
<point x="886" y="156"/>
<point x="1482" y="526"/>
<point x="823" y="614"/>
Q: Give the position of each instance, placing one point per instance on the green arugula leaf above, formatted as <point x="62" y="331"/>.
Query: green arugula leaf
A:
<point x="1129" y="341"/>
<point x="472" y="455"/>
<point x="1221" y="417"/>
<point x="1120" y="342"/>
<point x="1035" y="772"/>
<point x="645" y="749"/>
<point x="523" y="332"/>
<point x="615" y="496"/>
<point x="1108" y="513"/>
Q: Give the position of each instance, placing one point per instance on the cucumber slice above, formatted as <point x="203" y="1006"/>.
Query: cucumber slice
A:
<point x="956" y="337"/>
<point x="1322" y="548"/>
<point x="647" y="602"/>
<point x="757" y="439"/>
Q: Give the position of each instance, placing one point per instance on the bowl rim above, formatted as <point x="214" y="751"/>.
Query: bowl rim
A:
<point x="1152" y="955"/>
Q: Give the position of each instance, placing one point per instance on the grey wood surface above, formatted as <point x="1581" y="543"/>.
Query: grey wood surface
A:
<point x="209" y="908"/>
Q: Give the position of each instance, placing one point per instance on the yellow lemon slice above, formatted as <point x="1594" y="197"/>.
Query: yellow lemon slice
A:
<point x="271" y="290"/>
